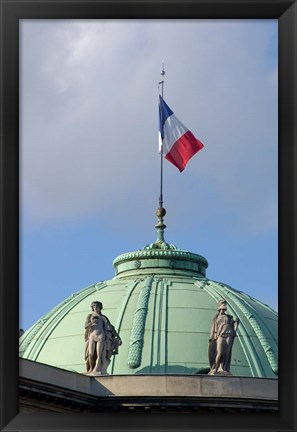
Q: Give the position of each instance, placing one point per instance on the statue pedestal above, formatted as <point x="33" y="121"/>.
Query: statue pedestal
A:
<point x="94" y="374"/>
<point x="222" y="373"/>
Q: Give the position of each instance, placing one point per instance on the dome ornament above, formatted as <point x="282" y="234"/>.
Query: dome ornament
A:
<point x="160" y="212"/>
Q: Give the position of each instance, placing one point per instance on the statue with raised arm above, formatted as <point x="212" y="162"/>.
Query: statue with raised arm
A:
<point x="102" y="340"/>
<point x="223" y="332"/>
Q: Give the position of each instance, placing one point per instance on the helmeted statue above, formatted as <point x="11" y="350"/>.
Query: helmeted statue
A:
<point x="223" y="332"/>
<point x="102" y="340"/>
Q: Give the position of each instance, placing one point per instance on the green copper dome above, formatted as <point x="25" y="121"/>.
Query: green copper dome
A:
<point x="161" y="304"/>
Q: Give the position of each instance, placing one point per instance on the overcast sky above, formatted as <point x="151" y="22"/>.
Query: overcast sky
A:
<point x="89" y="150"/>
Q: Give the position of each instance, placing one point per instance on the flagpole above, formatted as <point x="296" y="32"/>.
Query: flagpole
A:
<point x="160" y="210"/>
<point x="161" y="179"/>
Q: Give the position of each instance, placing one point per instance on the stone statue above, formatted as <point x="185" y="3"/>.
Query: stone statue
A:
<point x="223" y="332"/>
<point x="102" y="340"/>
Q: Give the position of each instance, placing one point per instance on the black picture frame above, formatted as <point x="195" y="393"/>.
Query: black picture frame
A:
<point x="13" y="11"/>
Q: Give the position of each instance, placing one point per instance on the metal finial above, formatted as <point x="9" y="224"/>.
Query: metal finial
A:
<point x="160" y="212"/>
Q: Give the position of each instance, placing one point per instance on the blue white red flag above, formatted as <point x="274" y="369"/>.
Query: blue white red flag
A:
<point x="179" y="144"/>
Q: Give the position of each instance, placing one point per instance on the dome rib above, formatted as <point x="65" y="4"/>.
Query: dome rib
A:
<point x="245" y="341"/>
<point x="257" y="329"/>
<point x="122" y="310"/>
<point x="138" y="326"/>
<point x="250" y="313"/>
<point x="154" y="328"/>
<point x="49" y="322"/>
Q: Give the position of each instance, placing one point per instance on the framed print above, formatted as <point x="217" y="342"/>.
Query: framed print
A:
<point x="184" y="263"/>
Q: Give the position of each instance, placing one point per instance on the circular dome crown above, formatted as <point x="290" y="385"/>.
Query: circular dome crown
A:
<point x="161" y="304"/>
<point x="166" y="258"/>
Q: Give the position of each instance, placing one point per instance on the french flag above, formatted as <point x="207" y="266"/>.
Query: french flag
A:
<point x="179" y="144"/>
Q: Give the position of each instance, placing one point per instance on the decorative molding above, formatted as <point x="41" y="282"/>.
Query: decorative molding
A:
<point x="68" y="303"/>
<point x="138" y="326"/>
<point x="231" y="293"/>
<point x="259" y="332"/>
<point x="157" y="253"/>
